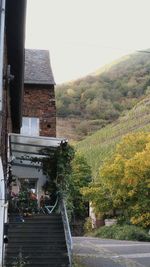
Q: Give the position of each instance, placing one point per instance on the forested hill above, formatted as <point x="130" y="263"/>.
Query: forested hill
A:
<point x="90" y="103"/>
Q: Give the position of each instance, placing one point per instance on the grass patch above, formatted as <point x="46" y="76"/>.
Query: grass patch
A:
<point x="77" y="262"/>
<point x="124" y="232"/>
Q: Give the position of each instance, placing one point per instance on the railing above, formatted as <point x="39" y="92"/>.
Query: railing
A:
<point x="48" y="209"/>
<point x="68" y="236"/>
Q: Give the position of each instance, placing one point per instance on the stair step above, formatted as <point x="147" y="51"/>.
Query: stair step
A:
<point x="45" y="253"/>
<point x="45" y="216"/>
<point x="36" y="234"/>
<point x="41" y="257"/>
<point x="41" y="221"/>
<point x="35" y="228"/>
<point x="36" y="222"/>
<point x="40" y="238"/>
<point x="36" y="238"/>
<point x="32" y="246"/>
<point x="54" y="264"/>
<point x="44" y="250"/>
<point x="36" y="218"/>
<point x="41" y="260"/>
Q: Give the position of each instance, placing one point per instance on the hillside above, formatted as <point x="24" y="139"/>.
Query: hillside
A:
<point x="101" y="144"/>
<point x="89" y="104"/>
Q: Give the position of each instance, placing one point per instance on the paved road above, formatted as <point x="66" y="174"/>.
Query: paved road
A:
<point x="96" y="252"/>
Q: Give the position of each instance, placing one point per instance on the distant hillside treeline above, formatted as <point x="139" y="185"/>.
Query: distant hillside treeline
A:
<point x="99" y="99"/>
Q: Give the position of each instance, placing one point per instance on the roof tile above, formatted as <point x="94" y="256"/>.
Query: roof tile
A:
<point x="37" y="67"/>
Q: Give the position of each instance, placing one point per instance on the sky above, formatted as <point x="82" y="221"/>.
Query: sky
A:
<point x="84" y="35"/>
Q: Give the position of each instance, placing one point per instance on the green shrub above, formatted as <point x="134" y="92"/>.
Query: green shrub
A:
<point x="124" y="232"/>
<point x="123" y="220"/>
<point x="88" y="225"/>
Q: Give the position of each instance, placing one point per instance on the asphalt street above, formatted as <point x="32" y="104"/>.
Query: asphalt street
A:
<point x="96" y="252"/>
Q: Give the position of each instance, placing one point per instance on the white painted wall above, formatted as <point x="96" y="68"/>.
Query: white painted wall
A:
<point x="92" y="215"/>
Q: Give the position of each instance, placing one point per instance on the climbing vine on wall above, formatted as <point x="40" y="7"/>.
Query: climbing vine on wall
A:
<point x="57" y="166"/>
<point x="68" y="172"/>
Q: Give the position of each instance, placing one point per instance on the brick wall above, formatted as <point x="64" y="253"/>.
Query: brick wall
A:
<point x="39" y="101"/>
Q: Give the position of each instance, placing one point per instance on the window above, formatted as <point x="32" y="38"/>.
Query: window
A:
<point x="30" y="126"/>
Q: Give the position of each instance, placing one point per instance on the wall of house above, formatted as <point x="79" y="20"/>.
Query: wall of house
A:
<point x="39" y="101"/>
<point x="5" y="115"/>
<point x="5" y="127"/>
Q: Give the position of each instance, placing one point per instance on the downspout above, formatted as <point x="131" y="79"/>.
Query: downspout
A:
<point x="2" y="213"/>
<point x="2" y="182"/>
<point x="2" y="37"/>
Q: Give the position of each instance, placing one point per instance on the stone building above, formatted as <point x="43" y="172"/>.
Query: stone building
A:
<point x="39" y="109"/>
<point x="38" y="118"/>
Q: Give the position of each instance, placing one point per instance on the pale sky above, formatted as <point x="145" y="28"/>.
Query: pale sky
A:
<point x="84" y="35"/>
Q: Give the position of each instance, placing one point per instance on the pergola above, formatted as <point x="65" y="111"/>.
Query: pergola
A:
<point x="23" y="148"/>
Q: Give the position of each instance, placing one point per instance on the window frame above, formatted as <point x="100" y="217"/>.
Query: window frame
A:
<point x="27" y="127"/>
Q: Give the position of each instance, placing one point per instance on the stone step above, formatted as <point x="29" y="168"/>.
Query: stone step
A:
<point x="37" y="246"/>
<point x="53" y="264"/>
<point x="36" y="234"/>
<point x="46" y="218"/>
<point x="35" y="251"/>
<point x="42" y="260"/>
<point x="45" y="242"/>
<point x="36" y="222"/>
<point x="34" y="231"/>
<point x="37" y="215"/>
<point x="51" y="251"/>
<point x="35" y="227"/>
<point x="41" y="239"/>
<point x="48" y="264"/>
<point x="43" y="218"/>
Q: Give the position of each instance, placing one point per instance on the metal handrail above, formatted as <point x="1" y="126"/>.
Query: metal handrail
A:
<point x="67" y="230"/>
<point x="51" y="208"/>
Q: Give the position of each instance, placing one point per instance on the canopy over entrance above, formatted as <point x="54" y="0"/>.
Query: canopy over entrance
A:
<point x="23" y="148"/>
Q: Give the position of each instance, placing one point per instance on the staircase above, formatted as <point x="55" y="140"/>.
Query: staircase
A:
<point x="40" y="241"/>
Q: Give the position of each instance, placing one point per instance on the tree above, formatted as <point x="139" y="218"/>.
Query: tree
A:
<point x="67" y="173"/>
<point x="79" y="178"/>
<point x="125" y="180"/>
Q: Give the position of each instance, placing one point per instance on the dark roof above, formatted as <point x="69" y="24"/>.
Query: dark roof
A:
<point x="37" y="67"/>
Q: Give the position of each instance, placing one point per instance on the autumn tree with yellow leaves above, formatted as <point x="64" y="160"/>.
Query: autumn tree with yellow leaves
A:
<point x="124" y="181"/>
